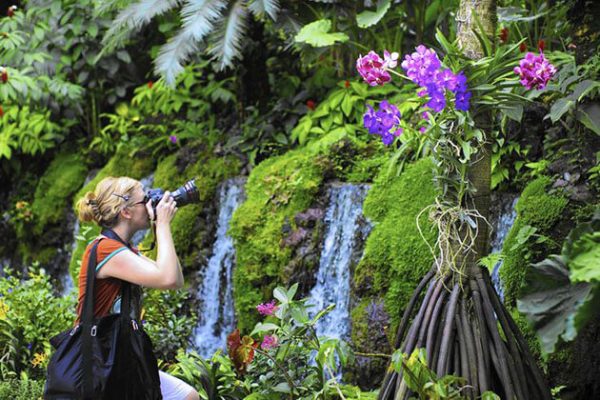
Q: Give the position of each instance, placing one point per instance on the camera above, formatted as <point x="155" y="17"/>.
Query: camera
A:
<point x="185" y="194"/>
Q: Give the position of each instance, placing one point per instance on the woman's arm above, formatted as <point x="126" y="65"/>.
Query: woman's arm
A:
<point x="165" y="272"/>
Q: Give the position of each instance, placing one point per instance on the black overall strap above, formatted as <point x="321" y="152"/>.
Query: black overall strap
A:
<point x="87" y="317"/>
<point x="125" y="286"/>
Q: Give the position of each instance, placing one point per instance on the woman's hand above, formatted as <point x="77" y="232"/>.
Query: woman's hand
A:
<point x="165" y="209"/>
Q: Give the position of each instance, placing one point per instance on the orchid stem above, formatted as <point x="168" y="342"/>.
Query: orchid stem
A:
<point x="285" y="374"/>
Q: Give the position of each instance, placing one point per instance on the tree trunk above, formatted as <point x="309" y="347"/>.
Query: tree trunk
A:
<point x="461" y="322"/>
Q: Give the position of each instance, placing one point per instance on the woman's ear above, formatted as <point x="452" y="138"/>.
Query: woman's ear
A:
<point x="126" y="213"/>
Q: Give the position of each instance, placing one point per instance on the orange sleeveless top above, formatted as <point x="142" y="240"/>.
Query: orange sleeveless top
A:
<point x="107" y="289"/>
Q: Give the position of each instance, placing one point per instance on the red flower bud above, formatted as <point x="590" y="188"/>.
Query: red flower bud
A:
<point x="347" y="84"/>
<point x="310" y="104"/>
<point x="4" y="75"/>
<point x="1" y="112"/>
<point x="11" y="11"/>
<point x="503" y="35"/>
<point x="523" y="47"/>
<point x="150" y="84"/>
<point x="541" y="45"/>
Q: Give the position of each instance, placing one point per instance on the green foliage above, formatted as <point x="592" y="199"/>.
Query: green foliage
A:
<point x="23" y="389"/>
<point x="159" y="112"/>
<point x="563" y="291"/>
<point x="167" y="321"/>
<point x="219" y="22"/>
<point x="28" y="131"/>
<point x="317" y="34"/>
<point x="30" y="314"/>
<point x="342" y="111"/>
<point x="215" y="379"/>
<point x="395" y="256"/>
<point x="64" y="176"/>
<point x="537" y="212"/>
<point x="573" y="94"/>
<point x="425" y="383"/>
<point x="285" y="369"/>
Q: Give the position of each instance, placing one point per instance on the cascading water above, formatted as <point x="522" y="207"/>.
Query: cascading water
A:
<point x="340" y="248"/>
<point x="216" y="310"/>
<point x="506" y="219"/>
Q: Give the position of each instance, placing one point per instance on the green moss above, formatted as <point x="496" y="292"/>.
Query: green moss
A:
<point x="123" y="163"/>
<point x="396" y="257"/>
<point x="538" y="209"/>
<point x="61" y="180"/>
<point x="276" y="190"/>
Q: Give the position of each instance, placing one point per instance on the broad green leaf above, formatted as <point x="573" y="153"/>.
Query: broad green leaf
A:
<point x="317" y="34"/>
<point x="514" y="111"/>
<point x="560" y="107"/>
<point x="552" y="302"/>
<point x="280" y="294"/>
<point x="369" y="18"/>
<point x="589" y="115"/>
<point x="266" y="327"/>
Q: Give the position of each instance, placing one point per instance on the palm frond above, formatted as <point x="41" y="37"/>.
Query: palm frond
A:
<point x="270" y="7"/>
<point x="228" y="35"/>
<point x="131" y="19"/>
<point x="198" y="21"/>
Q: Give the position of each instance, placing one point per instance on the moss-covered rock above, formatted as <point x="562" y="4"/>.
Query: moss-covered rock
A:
<point x="537" y="209"/>
<point x="276" y="191"/>
<point x="124" y="163"/>
<point x="63" y="177"/>
<point x="396" y="257"/>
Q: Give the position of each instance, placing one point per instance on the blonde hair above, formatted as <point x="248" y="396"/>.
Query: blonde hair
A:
<point x="104" y="204"/>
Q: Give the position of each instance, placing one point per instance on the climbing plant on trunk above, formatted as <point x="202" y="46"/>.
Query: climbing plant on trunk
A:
<point x="455" y="314"/>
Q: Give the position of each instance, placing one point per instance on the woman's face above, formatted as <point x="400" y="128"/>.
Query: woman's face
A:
<point x="137" y="209"/>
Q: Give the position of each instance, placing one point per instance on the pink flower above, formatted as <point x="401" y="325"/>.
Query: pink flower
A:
<point x="535" y="71"/>
<point x="390" y="60"/>
<point x="373" y="68"/>
<point x="267" y="308"/>
<point x="268" y="342"/>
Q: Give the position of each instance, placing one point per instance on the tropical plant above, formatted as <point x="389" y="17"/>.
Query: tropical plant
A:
<point x="216" y="26"/>
<point x="562" y="291"/>
<point x="25" y="346"/>
<point x="461" y="95"/>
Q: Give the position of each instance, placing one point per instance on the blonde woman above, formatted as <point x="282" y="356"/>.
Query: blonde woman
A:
<point x="120" y="207"/>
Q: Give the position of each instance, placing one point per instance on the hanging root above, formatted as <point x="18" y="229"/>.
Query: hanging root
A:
<point x="466" y="331"/>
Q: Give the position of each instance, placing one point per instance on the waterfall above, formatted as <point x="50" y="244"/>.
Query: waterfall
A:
<point x="215" y="296"/>
<point x="506" y="219"/>
<point x="341" y="243"/>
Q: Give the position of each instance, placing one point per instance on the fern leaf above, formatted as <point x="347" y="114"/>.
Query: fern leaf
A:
<point x="270" y="7"/>
<point x="198" y="21"/>
<point x="131" y="19"/>
<point x="228" y="35"/>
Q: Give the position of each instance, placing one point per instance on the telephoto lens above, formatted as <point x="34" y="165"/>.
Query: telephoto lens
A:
<point x="185" y="194"/>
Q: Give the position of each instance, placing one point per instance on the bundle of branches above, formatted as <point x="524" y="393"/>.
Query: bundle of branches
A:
<point x="466" y="331"/>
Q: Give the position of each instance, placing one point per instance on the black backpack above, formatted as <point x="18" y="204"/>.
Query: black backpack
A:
<point x="103" y="358"/>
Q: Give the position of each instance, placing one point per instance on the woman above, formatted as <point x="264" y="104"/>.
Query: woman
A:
<point x="120" y="207"/>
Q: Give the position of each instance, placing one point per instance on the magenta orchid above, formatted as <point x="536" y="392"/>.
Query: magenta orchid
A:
<point x="267" y="308"/>
<point x="535" y="71"/>
<point x="269" y="342"/>
<point x="373" y="68"/>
